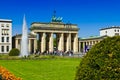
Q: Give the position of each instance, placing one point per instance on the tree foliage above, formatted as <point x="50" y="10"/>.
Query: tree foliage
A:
<point x="14" y="52"/>
<point x="102" y="62"/>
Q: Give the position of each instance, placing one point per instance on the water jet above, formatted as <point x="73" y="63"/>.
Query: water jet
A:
<point x="24" y="40"/>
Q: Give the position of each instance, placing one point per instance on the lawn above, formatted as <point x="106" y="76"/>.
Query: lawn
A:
<point x="44" y="69"/>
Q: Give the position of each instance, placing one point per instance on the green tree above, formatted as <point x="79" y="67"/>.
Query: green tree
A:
<point x="102" y="62"/>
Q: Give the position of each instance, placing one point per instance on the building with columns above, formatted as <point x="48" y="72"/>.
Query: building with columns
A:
<point x="86" y="43"/>
<point x="50" y="36"/>
<point x="5" y="35"/>
<point x="66" y="36"/>
<point x="32" y="42"/>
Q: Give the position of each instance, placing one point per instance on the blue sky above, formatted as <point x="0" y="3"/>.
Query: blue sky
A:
<point x="90" y="15"/>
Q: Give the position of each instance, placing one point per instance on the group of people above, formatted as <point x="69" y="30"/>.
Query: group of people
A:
<point x="55" y="52"/>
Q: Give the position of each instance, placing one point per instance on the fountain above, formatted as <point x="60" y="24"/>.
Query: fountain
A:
<point x="24" y="40"/>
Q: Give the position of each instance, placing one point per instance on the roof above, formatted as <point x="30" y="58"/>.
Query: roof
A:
<point x="92" y="37"/>
<point x="29" y="35"/>
<point x="60" y="23"/>
<point x="5" y="20"/>
<point x="54" y="26"/>
<point x="118" y="27"/>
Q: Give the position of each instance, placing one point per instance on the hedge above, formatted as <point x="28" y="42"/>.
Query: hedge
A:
<point x="102" y="62"/>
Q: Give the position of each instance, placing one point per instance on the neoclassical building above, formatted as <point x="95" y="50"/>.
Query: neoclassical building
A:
<point x="5" y="35"/>
<point x="32" y="42"/>
<point x="50" y="36"/>
<point x="86" y="43"/>
<point x="66" y="36"/>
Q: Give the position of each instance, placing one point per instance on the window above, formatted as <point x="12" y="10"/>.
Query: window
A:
<point x="105" y="32"/>
<point x="116" y="34"/>
<point x="5" y="31"/>
<point x="7" y="48"/>
<point x="7" y="40"/>
<point x="118" y="30"/>
<point x="115" y="30"/>
<point x="7" y="25"/>
<point x="2" y="39"/>
<point x="2" y="48"/>
<point x="2" y="31"/>
<point x="2" y="25"/>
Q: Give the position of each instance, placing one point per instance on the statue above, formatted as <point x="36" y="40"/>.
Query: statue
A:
<point x="55" y="19"/>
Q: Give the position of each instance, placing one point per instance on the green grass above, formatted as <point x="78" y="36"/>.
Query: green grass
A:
<point x="46" y="69"/>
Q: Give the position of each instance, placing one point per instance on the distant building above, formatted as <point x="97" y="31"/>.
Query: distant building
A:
<point x="85" y="44"/>
<point x="32" y="42"/>
<point x="5" y="35"/>
<point x="110" y="31"/>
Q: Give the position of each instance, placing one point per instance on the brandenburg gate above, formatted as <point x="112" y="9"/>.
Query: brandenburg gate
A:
<point x="56" y="34"/>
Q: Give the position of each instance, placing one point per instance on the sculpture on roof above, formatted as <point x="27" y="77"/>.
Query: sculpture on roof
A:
<point x="56" y="19"/>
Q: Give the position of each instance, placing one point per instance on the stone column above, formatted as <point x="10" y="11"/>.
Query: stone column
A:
<point x="51" y="43"/>
<point x="16" y="43"/>
<point x="61" y="42"/>
<point x="29" y="50"/>
<point x="43" y="42"/>
<point x="40" y="41"/>
<point x="35" y="45"/>
<point x="83" y="47"/>
<point x="88" y="43"/>
<point x="68" y="42"/>
<point x="92" y="43"/>
<point x="75" y="43"/>
<point x="79" y="46"/>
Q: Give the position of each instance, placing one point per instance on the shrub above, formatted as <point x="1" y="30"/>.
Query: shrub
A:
<point x="102" y="62"/>
<point x="14" y="52"/>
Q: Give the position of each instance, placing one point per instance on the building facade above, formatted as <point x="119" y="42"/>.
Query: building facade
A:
<point x="85" y="44"/>
<point x="32" y="42"/>
<point x="5" y="35"/>
<point x="64" y="36"/>
<point x="110" y="31"/>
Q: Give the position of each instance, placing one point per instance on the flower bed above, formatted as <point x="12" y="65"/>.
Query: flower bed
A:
<point x="6" y="75"/>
